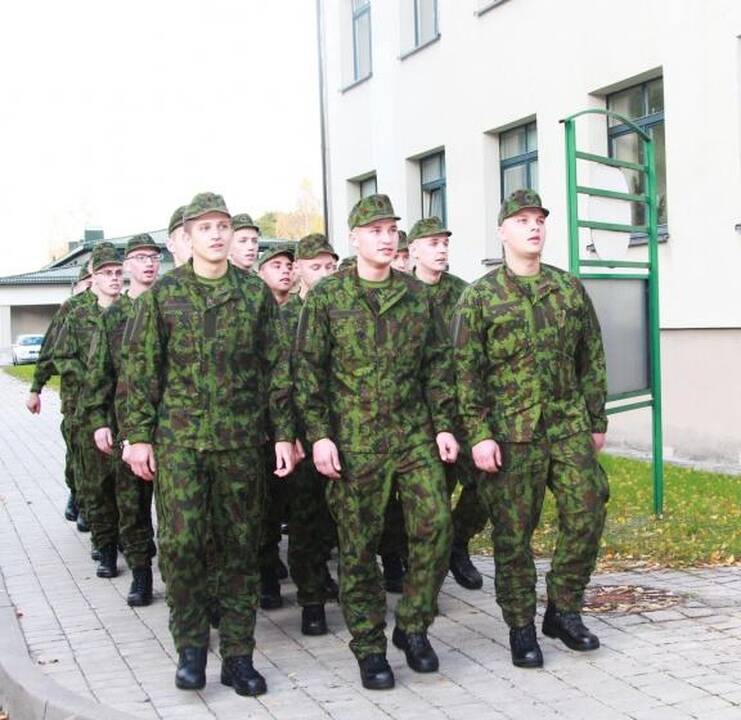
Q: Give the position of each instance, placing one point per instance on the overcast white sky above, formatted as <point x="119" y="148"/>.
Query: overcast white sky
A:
<point x="114" y="113"/>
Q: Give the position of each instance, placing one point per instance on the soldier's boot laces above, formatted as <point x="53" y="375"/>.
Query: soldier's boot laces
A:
<point x="107" y="567"/>
<point x="419" y="653"/>
<point x="191" y="672"/>
<point x="464" y="571"/>
<point x="313" y="620"/>
<point x="270" y="598"/>
<point x="376" y="673"/>
<point x="239" y="673"/>
<point x="140" y="592"/>
<point x="71" y="511"/>
<point x="523" y="644"/>
<point x="82" y="525"/>
<point x="569" y="628"/>
<point x="393" y="573"/>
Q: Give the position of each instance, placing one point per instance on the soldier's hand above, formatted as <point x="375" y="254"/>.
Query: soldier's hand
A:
<point x="327" y="458"/>
<point x="599" y="441"/>
<point x="298" y="452"/>
<point x="104" y="440"/>
<point x="284" y="461"/>
<point x="141" y="460"/>
<point x="487" y="456"/>
<point x="448" y="447"/>
<point x="33" y="403"/>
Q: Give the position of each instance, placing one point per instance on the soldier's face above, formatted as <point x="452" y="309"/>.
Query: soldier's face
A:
<point x="277" y="273"/>
<point x="108" y="280"/>
<point x="312" y="271"/>
<point x="244" y="248"/>
<point x="178" y="243"/>
<point x="432" y="252"/>
<point x="210" y="236"/>
<point x="401" y="261"/>
<point x="143" y="265"/>
<point x="524" y="233"/>
<point x="376" y="243"/>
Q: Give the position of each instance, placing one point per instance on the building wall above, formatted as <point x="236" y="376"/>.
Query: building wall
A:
<point x="30" y="319"/>
<point x="536" y="60"/>
<point x="27" y="298"/>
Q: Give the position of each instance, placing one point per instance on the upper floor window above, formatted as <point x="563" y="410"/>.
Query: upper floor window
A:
<point x="368" y="186"/>
<point x="643" y="104"/>
<point x="425" y="21"/>
<point x="518" y="159"/>
<point x="432" y="172"/>
<point x="361" y="39"/>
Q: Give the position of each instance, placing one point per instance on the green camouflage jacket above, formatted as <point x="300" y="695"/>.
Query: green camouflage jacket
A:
<point x="445" y="295"/>
<point x="518" y="359"/>
<point x="101" y="402"/>
<point x="202" y="364"/>
<point x="44" y="365"/>
<point x="71" y="354"/>
<point x="370" y="374"/>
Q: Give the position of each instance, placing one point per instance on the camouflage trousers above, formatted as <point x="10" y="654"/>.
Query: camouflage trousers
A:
<point x="134" y="502"/>
<point x="469" y="515"/>
<point x="223" y="491"/>
<point x="358" y="503"/>
<point x="514" y="498"/>
<point x="69" y="457"/>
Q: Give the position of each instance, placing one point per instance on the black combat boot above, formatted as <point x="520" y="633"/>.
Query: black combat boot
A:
<point x="331" y="589"/>
<point x="523" y="644"/>
<point x="71" y="511"/>
<point x="420" y="655"/>
<point x="140" y="592"/>
<point x="393" y="573"/>
<point x="569" y="628"/>
<point x="107" y="567"/>
<point x="270" y="598"/>
<point x="94" y="553"/>
<point x="239" y="673"/>
<point x="82" y="525"/>
<point x="376" y="673"/>
<point x="313" y="620"/>
<point x="191" y="672"/>
<point x="151" y="548"/>
<point x="464" y="571"/>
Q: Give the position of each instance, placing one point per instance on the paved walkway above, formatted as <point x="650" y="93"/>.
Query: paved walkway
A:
<point x="684" y="662"/>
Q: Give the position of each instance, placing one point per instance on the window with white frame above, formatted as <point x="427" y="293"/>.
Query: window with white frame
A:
<point x="432" y="174"/>
<point x="368" y="186"/>
<point x="361" y="39"/>
<point x="518" y="159"/>
<point x="426" y="26"/>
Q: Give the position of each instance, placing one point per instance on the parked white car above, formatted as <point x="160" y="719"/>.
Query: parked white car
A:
<point x="27" y="348"/>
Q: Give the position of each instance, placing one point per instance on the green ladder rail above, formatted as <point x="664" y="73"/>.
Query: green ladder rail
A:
<point x="648" y="170"/>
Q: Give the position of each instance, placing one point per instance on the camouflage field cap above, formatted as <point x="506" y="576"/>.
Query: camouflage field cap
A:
<point x="244" y="221"/>
<point x="203" y="203"/>
<point x="104" y="254"/>
<point x="369" y="209"/>
<point x="428" y="227"/>
<point x="403" y="242"/>
<point x="176" y="220"/>
<point x="520" y="200"/>
<point x="84" y="274"/>
<point x="275" y="251"/>
<point x="312" y="245"/>
<point x="349" y="261"/>
<point x="139" y="242"/>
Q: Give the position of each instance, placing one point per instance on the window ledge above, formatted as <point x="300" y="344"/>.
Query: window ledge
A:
<point x="490" y="6"/>
<point x="638" y="239"/>
<point x="416" y="49"/>
<point x="355" y="83"/>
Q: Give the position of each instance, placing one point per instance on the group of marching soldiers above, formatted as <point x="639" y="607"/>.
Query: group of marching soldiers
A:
<point x="250" y="394"/>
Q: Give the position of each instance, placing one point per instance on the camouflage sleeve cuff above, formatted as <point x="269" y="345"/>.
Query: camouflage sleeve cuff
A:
<point x="317" y="433"/>
<point x="139" y="437"/>
<point x="36" y="386"/>
<point x="599" y="425"/>
<point x="482" y="433"/>
<point x="98" y="420"/>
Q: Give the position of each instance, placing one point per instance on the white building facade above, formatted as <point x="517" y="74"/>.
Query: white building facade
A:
<point x="446" y="105"/>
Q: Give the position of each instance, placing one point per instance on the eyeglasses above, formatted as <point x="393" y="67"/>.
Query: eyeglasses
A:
<point x="154" y="258"/>
<point x="110" y="273"/>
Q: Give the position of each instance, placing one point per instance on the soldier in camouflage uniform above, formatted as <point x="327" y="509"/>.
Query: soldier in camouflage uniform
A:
<point x="105" y="399"/>
<point x="246" y="242"/>
<point x="275" y="269"/>
<point x="199" y="387"/>
<point x="178" y="242"/>
<point x="531" y="392"/>
<point x="401" y="259"/>
<point x="429" y="242"/>
<point x="375" y="389"/>
<point x="71" y="356"/>
<point x="44" y="370"/>
<point x="347" y="262"/>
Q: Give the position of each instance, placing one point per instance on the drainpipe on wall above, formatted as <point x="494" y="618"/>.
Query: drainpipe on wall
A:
<point x="321" y="48"/>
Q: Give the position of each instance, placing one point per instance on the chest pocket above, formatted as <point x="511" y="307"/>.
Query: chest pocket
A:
<point x="351" y="332"/>
<point x="179" y="318"/>
<point x="508" y="334"/>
